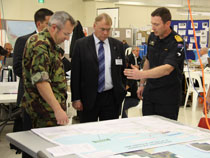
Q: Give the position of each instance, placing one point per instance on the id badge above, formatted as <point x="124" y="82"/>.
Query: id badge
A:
<point x="118" y="61"/>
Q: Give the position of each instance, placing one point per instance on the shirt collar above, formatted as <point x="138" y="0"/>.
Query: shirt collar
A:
<point x="106" y="41"/>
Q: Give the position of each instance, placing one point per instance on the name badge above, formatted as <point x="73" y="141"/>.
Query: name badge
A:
<point x="118" y="61"/>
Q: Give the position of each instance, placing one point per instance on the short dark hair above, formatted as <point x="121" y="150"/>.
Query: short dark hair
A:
<point x="41" y="14"/>
<point x="163" y="12"/>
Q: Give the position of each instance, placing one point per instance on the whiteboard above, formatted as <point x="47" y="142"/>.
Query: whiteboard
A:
<point x="113" y="13"/>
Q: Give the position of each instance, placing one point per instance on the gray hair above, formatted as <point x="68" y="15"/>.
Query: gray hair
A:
<point x="60" y="18"/>
<point x="134" y="48"/>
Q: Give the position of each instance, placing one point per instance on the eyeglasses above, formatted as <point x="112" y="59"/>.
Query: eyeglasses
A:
<point x="103" y="29"/>
<point x="65" y="33"/>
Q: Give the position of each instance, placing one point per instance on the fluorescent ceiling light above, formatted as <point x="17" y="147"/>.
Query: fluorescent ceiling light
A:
<point x="173" y="5"/>
<point x="131" y="3"/>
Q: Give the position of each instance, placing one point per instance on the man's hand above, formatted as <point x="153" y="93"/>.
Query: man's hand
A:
<point x="140" y="92"/>
<point x="133" y="73"/>
<point x="77" y="105"/>
<point x="61" y="117"/>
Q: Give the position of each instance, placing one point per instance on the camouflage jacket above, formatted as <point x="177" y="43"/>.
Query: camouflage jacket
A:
<point x="41" y="62"/>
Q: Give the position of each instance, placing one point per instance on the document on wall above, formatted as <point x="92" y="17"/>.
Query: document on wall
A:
<point x="182" y="32"/>
<point x="190" y="32"/>
<point x="176" y="28"/>
<point x="121" y="135"/>
<point x="128" y="33"/>
<point x="182" y="25"/>
<point x="205" y="25"/>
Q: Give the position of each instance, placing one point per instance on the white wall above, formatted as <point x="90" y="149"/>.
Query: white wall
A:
<point x="129" y="16"/>
<point x="25" y="9"/>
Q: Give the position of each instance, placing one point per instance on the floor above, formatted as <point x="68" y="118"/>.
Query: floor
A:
<point x="186" y="116"/>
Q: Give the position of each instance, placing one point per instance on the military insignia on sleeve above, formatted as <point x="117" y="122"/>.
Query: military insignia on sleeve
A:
<point x="152" y="43"/>
<point x="178" y="38"/>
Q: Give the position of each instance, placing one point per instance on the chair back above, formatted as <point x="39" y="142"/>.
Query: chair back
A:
<point x="128" y="51"/>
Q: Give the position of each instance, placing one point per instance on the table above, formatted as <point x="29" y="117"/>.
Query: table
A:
<point x="8" y="98"/>
<point x="7" y="102"/>
<point x="31" y="143"/>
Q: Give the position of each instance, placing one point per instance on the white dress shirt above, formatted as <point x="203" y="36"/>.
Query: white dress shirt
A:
<point x="107" y="56"/>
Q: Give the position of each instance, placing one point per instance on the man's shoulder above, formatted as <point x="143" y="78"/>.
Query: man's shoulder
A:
<point x="85" y="39"/>
<point x="177" y="37"/>
<point x="111" y="39"/>
<point x="25" y="37"/>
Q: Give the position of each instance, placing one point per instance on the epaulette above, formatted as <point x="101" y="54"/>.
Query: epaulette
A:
<point x="178" y="38"/>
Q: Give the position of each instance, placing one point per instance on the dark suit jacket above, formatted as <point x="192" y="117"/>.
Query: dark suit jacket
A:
<point x="84" y="73"/>
<point x="130" y="59"/>
<point x="17" y="62"/>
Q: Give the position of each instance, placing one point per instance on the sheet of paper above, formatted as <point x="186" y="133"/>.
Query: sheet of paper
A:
<point x="116" y="34"/>
<point x="190" y="32"/>
<point x="182" y="25"/>
<point x="111" y="137"/>
<point x="192" y="40"/>
<point x="175" y="28"/>
<point x="182" y="32"/>
<point x="139" y="36"/>
<point x="190" y="46"/>
<point x="195" y="25"/>
<point x="70" y="149"/>
<point x="128" y="33"/>
<point x="204" y="25"/>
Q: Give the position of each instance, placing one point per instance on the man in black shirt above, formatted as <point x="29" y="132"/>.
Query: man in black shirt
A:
<point x="162" y="70"/>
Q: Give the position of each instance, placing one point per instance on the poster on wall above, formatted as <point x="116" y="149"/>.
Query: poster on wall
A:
<point x="195" y="25"/>
<point x="182" y="25"/>
<point x="128" y="33"/>
<point x="16" y="29"/>
<point x="175" y="28"/>
<point x="182" y="32"/>
<point x="204" y="25"/>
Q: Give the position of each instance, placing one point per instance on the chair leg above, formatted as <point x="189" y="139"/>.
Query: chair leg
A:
<point x="195" y="101"/>
<point x="186" y="99"/>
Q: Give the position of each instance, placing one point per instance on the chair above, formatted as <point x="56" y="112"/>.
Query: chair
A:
<point x="128" y="51"/>
<point x="192" y="77"/>
<point x="135" y="108"/>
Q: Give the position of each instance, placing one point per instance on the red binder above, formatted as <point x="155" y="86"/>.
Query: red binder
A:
<point x="202" y="123"/>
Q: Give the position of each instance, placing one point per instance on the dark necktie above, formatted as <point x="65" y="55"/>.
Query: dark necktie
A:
<point x="101" y="63"/>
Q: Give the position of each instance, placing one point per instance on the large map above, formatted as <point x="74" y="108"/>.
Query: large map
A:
<point x="102" y="139"/>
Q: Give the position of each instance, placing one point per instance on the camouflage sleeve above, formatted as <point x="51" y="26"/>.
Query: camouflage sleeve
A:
<point x="39" y="77"/>
<point x="40" y="64"/>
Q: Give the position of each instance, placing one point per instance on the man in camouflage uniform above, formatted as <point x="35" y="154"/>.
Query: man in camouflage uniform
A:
<point x="43" y="74"/>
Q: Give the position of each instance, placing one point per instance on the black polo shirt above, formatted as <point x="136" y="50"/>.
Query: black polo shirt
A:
<point x="170" y="50"/>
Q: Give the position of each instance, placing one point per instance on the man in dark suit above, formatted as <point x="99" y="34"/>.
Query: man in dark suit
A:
<point x="131" y="85"/>
<point x="41" y="18"/>
<point x="98" y="85"/>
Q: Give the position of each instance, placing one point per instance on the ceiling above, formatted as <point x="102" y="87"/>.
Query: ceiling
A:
<point x="199" y="4"/>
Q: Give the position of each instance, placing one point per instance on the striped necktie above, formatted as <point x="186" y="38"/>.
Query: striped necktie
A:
<point x="101" y="64"/>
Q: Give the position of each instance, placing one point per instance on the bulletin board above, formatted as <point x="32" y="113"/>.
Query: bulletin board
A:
<point x="184" y="28"/>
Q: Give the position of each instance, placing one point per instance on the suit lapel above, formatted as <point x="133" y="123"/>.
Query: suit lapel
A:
<point x="92" y="48"/>
<point x="113" y="51"/>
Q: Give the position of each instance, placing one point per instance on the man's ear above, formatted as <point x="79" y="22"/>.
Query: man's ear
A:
<point x="38" y="24"/>
<point x="168" y="23"/>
